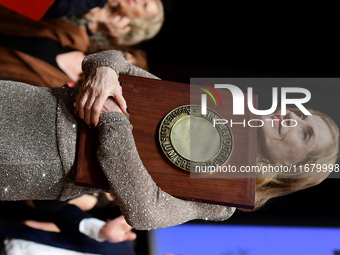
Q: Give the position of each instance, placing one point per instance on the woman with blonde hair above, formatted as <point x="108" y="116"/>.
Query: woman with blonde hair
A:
<point x="142" y="27"/>
<point x="39" y="141"/>
<point x="129" y="22"/>
<point x="309" y="164"/>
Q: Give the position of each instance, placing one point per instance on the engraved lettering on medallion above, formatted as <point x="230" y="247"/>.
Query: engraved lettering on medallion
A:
<point x="174" y="138"/>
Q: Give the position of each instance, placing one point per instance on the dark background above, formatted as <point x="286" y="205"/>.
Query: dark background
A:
<point x="245" y="39"/>
<point x="248" y="39"/>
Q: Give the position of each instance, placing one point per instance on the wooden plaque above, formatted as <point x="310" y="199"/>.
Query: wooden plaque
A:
<point x="149" y="101"/>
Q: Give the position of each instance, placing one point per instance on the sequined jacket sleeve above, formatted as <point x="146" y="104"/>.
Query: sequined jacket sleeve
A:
<point x="116" y="61"/>
<point x="144" y="205"/>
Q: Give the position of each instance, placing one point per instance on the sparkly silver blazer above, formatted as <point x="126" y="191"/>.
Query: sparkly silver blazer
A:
<point x="38" y="134"/>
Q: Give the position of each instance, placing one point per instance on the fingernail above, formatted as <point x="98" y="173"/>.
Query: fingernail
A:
<point x="127" y="110"/>
<point x="121" y="84"/>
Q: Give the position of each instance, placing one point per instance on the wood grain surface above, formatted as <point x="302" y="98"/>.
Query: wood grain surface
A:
<point x="149" y="101"/>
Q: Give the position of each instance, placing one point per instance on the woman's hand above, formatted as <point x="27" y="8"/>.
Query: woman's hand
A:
<point x="105" y="19"/>
<point x="115" y="26"/>
<point x="116" y="231"/>
<point x="101" y="84"/>
<point x="110" y="105"/>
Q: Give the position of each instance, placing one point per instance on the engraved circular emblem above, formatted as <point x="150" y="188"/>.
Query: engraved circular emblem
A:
<point x="189" y="139"/>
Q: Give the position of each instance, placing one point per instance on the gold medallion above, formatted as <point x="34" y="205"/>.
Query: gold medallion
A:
<point x="189" y="139"/>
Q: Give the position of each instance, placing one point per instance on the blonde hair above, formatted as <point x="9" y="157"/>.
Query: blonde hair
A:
<point x="271" y="185"/>
<point x="142" y="28"/>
